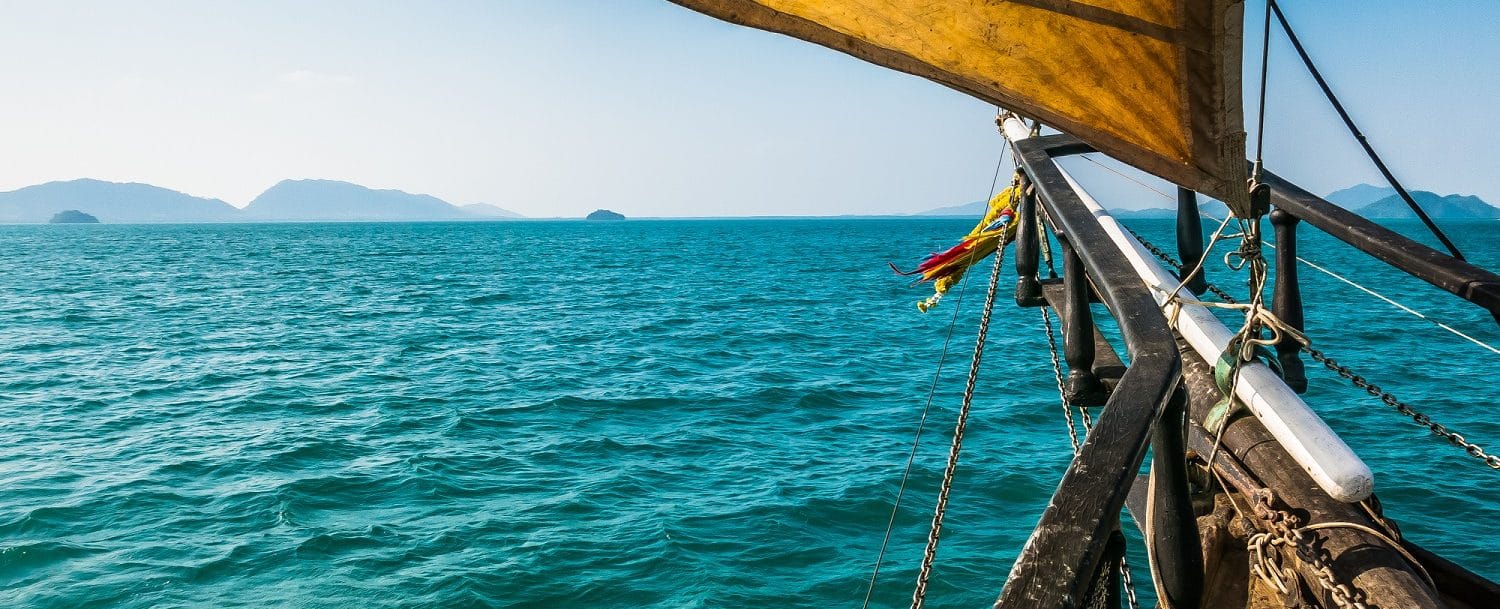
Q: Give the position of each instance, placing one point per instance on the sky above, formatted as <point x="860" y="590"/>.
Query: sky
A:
<point x="556" y="108"/>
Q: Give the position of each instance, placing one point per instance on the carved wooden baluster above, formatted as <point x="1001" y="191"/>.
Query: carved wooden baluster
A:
<point x="1028" y="288"/>
<point x="1190" y="239"/>
<point x="1286" y="301"/>
<point x="1174" y="541"/>
<point x="1082" y="388"/>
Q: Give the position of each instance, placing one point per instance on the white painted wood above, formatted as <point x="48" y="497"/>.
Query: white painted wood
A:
<point x="1012" y="127"/>
<point x="1316" y="448"/>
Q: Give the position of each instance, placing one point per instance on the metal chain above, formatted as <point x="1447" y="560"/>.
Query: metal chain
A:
<point x="1062" y="393"/>
<point x="1282" y="529"/>
<point x="929" y="554"/>
<point x="1354" y="378"/>
<point x="1167" y="258"/>
<point x="1418" y="417"/>
<point x="1129" y="585"/>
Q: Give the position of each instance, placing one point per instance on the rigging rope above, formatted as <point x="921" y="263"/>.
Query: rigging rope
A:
<point x="1363" y="142"/>
<point x="1420" y="418"/>
<point x="930" y="553"/>
<point x="1260" y="120"/>
<point x="1281" y="528"/>
<point x="1451" y="329"/>
<point x="926" y="408"/>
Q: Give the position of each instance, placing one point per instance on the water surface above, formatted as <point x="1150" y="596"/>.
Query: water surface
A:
<point x="547" y="414"/>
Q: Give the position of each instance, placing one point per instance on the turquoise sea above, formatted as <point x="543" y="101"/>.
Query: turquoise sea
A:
<point x="571" y="414"/>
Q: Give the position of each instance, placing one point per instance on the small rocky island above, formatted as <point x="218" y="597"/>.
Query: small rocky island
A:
<point x="73" y="216"/>
<point x="604" y="215"/>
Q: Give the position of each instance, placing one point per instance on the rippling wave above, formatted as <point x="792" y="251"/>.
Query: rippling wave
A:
<point x="704" y="413"/>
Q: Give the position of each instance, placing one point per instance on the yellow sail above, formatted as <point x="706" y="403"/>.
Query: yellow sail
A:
<point x="1153" y="83"/>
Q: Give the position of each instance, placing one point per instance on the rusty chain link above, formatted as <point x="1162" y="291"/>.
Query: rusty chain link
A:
<point x="1062" y="393"/>
<point x="1172" y="262"/>
<point x="1284" y="530"/>
<point x="1129" y="585"/>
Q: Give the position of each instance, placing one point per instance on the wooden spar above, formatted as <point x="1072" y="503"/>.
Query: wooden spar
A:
<point x="1316" y="448"/>
<point x="1463" y="279"/>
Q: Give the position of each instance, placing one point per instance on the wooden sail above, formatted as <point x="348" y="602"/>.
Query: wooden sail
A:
<point x="1153" y="83"/>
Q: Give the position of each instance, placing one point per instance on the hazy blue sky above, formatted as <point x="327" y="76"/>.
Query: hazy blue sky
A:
<point x="558" y="107"/>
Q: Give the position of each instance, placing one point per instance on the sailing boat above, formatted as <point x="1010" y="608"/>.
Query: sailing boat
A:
<point x="1252" y="501"/>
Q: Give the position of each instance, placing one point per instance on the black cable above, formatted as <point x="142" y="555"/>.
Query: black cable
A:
<point x="1265" y="67"/>
<point x="1379" y="164"/>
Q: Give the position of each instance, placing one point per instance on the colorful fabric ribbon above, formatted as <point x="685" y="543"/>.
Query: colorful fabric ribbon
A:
<point x="944" y="269"/>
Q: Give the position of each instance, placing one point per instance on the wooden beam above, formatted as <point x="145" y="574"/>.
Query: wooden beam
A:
<point x="1248" y="455"/>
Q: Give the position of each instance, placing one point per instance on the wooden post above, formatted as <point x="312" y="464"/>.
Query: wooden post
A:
<point x="1083" y="388"/>
<point x="1114" y="557"/>
<point x="1174" y="542"/>
<point x="1028" y="288"/>
<point x="1190" y="239"/>
<point x="1286" y="300"/>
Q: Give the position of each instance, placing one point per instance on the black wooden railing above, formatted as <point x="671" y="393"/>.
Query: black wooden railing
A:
<point x="1062" y="560"/>
<point x="1469" y="282"/>
<point x="1075" y="548"/>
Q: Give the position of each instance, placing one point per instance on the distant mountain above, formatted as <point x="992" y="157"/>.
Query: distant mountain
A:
<point x="977" y="209"/>
<point x="485" y="210"/>
<point x="73" y="216"/>
<point x="290" y="200"/>
<point x="111" y="202"/>
<point x="1359" y="195"/>
<point x="967" y="210"/>
<point x="1383" y="203"/>
<point x="331" y="200"/>
<point x="1453" y="207"/>
<point x="1149" y="213"/>
<point x="604" y="215"/>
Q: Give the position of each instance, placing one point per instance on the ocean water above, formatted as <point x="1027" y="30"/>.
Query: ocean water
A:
<point x="569" y="414"/>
